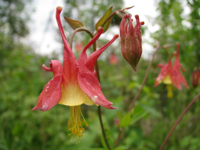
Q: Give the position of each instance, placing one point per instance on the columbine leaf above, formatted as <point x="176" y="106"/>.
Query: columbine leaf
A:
<point x="74" y="23"/>
<point x="138" y="114"/>
<point x="126" y="120"/>
<point x="121" y="148"/>
<point x="105" y="16"/>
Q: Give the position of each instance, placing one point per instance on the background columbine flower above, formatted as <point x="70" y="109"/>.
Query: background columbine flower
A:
<point x="171" y="74"/>
<point x="113" y="59"/>
<point x="165" y="74"/>
<point x="74" y="83"/>
<point x="176" y="76"/>
<point x="165" y="77"/>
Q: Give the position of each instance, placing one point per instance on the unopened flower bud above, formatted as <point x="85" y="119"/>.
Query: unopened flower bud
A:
<point x="195" y="78"/>
<point x="131" y="40"/>
<point x="116" y="122"/>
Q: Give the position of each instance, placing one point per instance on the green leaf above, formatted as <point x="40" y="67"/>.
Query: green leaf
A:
<point x="126" y="120"/>
<point x="74" y="23"/>
<point x="94" y="149"/>
<point x="105" y="16"/>
<point x="121" y="148"/>
<point x="103" y="142"/>
<point x="139" y="113"/>
<point x="152" y="111"/>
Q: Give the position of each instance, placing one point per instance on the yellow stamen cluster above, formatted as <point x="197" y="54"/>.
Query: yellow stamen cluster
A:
<point x="75" y="122"/>
<point x="170" y="91"/>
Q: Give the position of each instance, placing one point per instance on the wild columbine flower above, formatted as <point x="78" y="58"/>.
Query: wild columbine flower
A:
<point x="113" y="59"/>
<point x="171" y="74"/>
<point x="165" y="77"/>
<point x="195" y="78"/>
<point x="165" y="74"/>
<point x="131" y="40"/>
<point x="74" y="83"/>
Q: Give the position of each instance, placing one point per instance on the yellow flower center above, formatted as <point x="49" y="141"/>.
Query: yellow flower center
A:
<point x="167" y="80"/>
<point x="75" y="122"/>
<point x="72" y="95"/>
<point x="170" y="91"/>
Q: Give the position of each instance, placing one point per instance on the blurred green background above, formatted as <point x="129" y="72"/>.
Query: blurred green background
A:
<point x="22" y="79"/>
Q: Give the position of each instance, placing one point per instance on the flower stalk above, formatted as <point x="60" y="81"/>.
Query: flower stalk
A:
<point x="178" y="120"/>
<point x="145" y="78"/>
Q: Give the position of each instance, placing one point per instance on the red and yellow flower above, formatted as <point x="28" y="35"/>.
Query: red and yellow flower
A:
<point x="74" y="83"/>
<point x="171" y="75"/>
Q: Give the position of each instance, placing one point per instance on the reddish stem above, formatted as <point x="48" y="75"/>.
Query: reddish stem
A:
<point x="178" y="120"/>
<point x="118" y="137"/>
<point x="144" y="80"/>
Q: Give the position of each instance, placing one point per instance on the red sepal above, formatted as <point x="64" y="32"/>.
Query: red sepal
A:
<point x="52" y="92"/>
<point x="90" y="62"/>
<point x="88" y="81"/>
<point x="83" y="55"/>
<point x="91" y="87"/>
<point x="69" y="62"/>
<point x="176" y="76"/>
<point x="50" y="95"/>
<point x="165" y="69"/>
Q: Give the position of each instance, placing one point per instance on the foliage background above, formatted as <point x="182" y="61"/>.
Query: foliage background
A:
<point x="22" y="80"/>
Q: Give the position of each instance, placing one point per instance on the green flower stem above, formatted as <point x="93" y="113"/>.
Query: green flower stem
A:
<point x="144" y="80"/>
<point x="98" y="76"/>
<point x="178" y="120"/>
<point x="102" y="128"/>
<point x="77" y="30"/>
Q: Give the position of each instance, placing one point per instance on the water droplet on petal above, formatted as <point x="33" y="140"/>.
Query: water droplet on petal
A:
<point x="45" y="106"/>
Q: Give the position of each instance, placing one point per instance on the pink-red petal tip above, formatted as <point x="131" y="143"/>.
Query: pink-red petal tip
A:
<point x="58" y="9"/>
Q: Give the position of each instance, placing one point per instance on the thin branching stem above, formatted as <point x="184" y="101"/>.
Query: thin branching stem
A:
<point x="77" y="30"/>
<point x="102" y="128"/>
<point x="178" y="120"/>
<point x="118" y="137"/>
<point x="144" y="80"/>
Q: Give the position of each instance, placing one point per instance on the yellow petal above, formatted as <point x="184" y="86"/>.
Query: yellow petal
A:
<point x="72" y="95"/>
<point x="167" y="80"/>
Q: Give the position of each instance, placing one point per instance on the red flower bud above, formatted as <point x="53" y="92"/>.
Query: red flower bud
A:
<point x="116" y="122"/>
<point x="195" y="78"/>
<point x="131" y="40"/>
